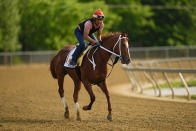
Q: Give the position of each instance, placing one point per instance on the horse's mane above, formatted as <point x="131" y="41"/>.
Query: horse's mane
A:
<point x="109" y="35"/>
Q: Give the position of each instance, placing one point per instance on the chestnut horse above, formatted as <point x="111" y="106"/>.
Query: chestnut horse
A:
<point x="113" y="43"/>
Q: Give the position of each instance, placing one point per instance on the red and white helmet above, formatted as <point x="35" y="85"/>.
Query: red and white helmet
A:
<point x="98" y="14"/>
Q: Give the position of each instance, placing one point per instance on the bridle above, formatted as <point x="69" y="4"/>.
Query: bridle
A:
<point x="112" y="52"/>
<point x="118" y="42"/>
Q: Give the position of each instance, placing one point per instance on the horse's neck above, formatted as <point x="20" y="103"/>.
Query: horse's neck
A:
<point x="108" y="44"/>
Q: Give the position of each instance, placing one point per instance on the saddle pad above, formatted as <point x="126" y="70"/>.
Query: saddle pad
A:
<point x="80" y="59"/>
<point x="68" y="59"/>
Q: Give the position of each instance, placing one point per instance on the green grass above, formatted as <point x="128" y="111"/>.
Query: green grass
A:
<point x="178" y="84"/>
<point x="193" y="97"/>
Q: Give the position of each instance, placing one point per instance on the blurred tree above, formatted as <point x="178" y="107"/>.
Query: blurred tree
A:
<point x="149" y="26"/>
<point x="9" y="25"/>
<point x="173" y="26"/>
<point x="136" y="21"/>
<point x="50" y="24"/>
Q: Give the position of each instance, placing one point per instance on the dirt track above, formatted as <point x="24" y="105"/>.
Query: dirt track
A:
<point x="29" y="100"/>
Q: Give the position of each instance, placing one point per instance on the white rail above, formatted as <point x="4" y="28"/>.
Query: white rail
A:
<point x="152" y="74"/>
<point x="11" y="58"/>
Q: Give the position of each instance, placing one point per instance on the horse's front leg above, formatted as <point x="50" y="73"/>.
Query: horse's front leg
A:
<point x="88" y="88"/>
<point x="103" y="87"/>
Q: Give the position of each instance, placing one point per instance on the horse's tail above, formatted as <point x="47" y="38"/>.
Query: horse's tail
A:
<point x="52" y="68"/>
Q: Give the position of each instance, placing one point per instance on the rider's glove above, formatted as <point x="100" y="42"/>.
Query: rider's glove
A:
<point x="97" y="43"/>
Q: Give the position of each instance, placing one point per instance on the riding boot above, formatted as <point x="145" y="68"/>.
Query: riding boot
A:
<point x="75" y="55"/>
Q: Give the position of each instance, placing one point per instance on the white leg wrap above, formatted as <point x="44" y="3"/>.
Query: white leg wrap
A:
<point x="64" y="102"/>
<point x="77" y="106"/>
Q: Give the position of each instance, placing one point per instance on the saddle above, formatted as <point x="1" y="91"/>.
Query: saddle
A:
<point x="80" y="59"/>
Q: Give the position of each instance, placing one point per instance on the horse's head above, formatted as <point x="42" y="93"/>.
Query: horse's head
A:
<point x="125" y="54"/>
<point x="122" y="48"/>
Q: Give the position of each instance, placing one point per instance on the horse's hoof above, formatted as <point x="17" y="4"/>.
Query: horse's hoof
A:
<point x="78" y="119"/>
<point x="109" y="117"/>
<point x="66" y="115"/>
<point x="86" y="108"/>
<point x="78" y="116"/>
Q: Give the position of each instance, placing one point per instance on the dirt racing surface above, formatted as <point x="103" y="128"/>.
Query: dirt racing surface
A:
<point x="29" y="100"/>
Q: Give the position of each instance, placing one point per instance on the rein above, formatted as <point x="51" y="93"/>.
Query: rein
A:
<point x="112" y="65"/>
<point x="118" y="56"/>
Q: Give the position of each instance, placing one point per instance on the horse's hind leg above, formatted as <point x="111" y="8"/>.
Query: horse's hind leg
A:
<point x="61" y="93"/>
<point x="77" y="87"/>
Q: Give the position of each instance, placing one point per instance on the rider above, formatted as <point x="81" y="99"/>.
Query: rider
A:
<point x="85" y="30"/>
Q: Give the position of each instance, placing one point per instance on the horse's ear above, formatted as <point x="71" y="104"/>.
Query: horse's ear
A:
<point x="124" y="33"/>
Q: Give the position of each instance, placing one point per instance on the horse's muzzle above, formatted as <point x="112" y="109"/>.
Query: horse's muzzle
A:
<point x="125" y="60"/>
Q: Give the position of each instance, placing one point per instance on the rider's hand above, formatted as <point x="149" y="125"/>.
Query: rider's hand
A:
<point x="99" y="40"/>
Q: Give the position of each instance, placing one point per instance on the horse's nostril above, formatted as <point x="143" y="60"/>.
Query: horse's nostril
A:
<point x="128" y="61"/>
